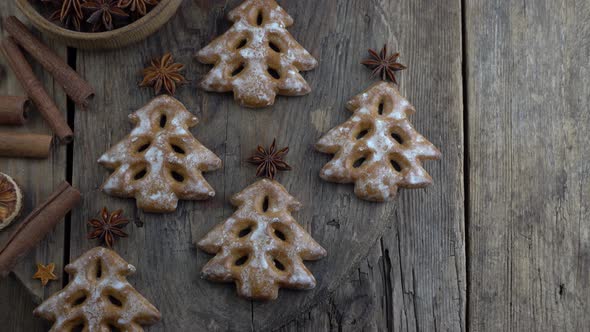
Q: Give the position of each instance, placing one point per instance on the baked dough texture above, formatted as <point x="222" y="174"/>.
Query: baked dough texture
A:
<point x="257" y="58"/>
<point x="261" y="247"/>
<point x="98" y="297"/>
<point x="377" y="148"/>
<point x="160" y="161"/>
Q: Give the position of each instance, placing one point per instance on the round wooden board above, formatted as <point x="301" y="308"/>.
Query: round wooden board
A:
<point x="162" y="246"/>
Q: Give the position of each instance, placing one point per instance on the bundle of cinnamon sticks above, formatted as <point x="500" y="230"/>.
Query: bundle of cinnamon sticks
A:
<point x="14" y="110"/>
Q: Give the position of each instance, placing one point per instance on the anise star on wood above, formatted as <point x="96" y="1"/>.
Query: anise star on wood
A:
<point x="108" y="227"/>
<point x="102" y="12"/>
<point x="383" y="64"/>
<point x="163" y="73"/>
<point x="45" y="273"/>
<point x="269" y="161"/>
<point x="139" y="6"/>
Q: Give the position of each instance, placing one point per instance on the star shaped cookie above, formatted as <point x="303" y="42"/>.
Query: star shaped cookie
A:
<point x="45" y="273"/>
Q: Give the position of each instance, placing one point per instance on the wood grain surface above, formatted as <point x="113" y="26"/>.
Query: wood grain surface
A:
<point x="528" y="96"/>
<point x="499" y="242"/>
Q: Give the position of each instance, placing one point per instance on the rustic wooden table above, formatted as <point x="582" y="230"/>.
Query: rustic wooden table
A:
<point x="501" y="241"/>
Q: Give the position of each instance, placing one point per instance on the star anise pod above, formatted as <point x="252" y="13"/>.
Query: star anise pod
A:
<point x="269" y="161"/>
<point x="108" y="227"/>
<point x="163" y="73"/>
<point x="102" y="12"/>
<point x="383" y="64"/>
<point x="139" y="6"/>
<point x="69" y="13"/>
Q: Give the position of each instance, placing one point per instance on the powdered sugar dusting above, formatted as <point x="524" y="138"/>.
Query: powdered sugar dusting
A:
<point x="377" y="148"/>
<point x="251" y="232"/>
<point x="160" y="162"/>
<point x="96" y="278"/>
<point x="254" y="85"/>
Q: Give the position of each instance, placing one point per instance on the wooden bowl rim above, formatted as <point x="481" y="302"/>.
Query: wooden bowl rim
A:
<point x="34" y="15"/>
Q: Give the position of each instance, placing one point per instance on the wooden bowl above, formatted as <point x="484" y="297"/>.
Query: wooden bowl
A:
<point x="120" y="37"/>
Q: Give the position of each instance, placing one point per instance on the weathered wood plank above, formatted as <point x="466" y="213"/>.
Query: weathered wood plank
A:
<point x="414" y="277"/>
<point x="38" y="178"/>
<point x="528" y="97"/>
<point x="16" y="307"/>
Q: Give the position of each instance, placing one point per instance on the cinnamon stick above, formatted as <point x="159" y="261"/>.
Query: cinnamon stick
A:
<point x="25" y="145"/>
<point x="14" y="110"/>
<point x="35" y="91"/>
<point x="79" y="90"/>
<point x="37" y="225"/>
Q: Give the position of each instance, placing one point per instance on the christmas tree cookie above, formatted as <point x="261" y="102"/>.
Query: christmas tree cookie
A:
<point x="160" y="162"/>
<point x="377" y="149"/>
<point x="261" y="247"/>
<point x="98" y="297"/>
<point x="257" y="58"/>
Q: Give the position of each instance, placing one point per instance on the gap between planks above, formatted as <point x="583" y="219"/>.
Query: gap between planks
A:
<point x="466" y="183"/>
<point x="72" y="55"/>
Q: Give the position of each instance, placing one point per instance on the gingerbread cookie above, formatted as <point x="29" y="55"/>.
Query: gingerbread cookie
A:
<point x="11" y="200"/>
<point x="257" y="58"/>
<point x="261" y="247"/>
<point x="160" y="162"/>
<point x="98" y="297"/>
<point x="377" y="149"/>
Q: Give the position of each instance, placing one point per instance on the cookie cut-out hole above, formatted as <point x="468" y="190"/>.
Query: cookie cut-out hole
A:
<point x="397" y="137"/>
<point x="79" y="300"/>
<point x="144" y="147"/>
<point x="177" y="176"/>
<point x="279" y="265"/>
<point x="396" y="165"/>
<point x="265" y="204"/>
<point x="113" y="328"/>
<point x="280" y="231"/>
<point x="359" y="162"/>
<point x="79" y="327"/>
<point x="177" y="149"/>
<point x="141" y="174"/>
<point x="242" y="260"/>
<point x="115" y="301"/>
<point x="274" y="73"/>
<point x="362" y="134"/>
<point x="280" y="235"/>
<point x="238" y="70"/>
<point x="98" y="273"/>
<point x="381" y="107"/>
<point x="163" y="120"/>
<point x="260" y="18"/>
<point x="242" y="43"/>
<point x="274" y="47"/>
<point x="243" y="228"/>
<point x="245" y="231"/>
